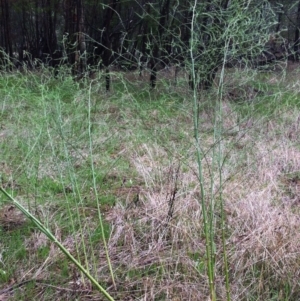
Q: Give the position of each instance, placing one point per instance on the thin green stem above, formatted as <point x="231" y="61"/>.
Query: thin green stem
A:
<point x="47" y="232"/>
<point x="223" y="224"/>
<point x="95" y="191"/>
<point x="210" y="264"/>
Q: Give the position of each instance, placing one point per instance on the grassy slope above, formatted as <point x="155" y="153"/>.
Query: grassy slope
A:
<point x="66" y="147"/>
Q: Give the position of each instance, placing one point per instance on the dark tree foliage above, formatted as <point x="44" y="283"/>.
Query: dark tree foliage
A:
<point x="6" y="34"/>
<point x="127" y="34"/>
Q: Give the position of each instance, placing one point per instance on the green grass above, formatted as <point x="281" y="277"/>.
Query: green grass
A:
<point x="67" y="147"/>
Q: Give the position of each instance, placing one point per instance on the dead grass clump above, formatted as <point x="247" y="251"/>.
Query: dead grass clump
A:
<point x="159" y="238"/>
<point x="264" y="225"/>
<point x="157" y="242"/>
<point x="264" y="245"/>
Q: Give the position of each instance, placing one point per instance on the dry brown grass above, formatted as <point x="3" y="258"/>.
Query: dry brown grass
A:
<point x="163" y="229"/>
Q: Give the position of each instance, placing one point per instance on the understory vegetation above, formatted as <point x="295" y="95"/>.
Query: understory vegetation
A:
<point x="120" y="182"/>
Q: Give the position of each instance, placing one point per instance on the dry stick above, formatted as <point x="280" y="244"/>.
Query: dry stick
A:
<point x="47" y="232"/>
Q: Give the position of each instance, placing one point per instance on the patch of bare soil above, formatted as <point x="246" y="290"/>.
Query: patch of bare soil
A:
<point x="11" y="218"/>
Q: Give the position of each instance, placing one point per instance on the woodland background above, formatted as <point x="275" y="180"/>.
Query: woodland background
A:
<point x="130" y="34"/>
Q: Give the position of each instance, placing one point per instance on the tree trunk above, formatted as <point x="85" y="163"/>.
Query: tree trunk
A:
<point x="164" y="10"/>
<point x="7" y="42"/>
<point x="106" y="42"/>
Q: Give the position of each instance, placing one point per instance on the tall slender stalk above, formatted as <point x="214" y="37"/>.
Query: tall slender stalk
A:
<point x="220" y="131"/>
<point x="48" y="233"/>
<point x="206" y="224"/>
<point x="96" y="193"/>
